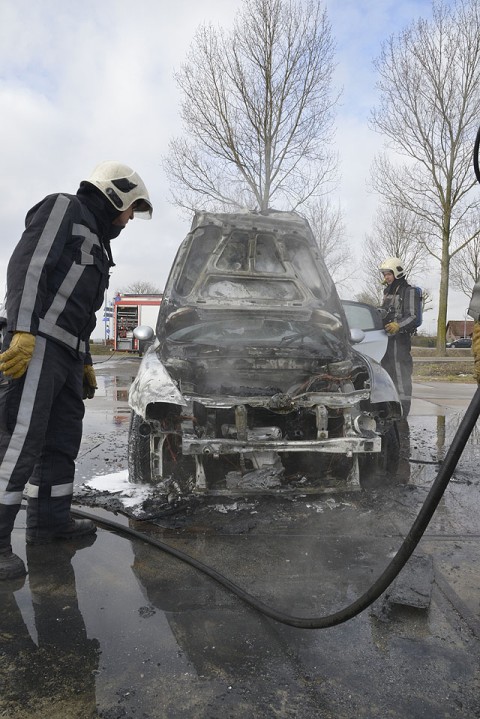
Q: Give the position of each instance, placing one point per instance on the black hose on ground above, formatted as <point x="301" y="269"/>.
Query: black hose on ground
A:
<point x="384" y="580"/>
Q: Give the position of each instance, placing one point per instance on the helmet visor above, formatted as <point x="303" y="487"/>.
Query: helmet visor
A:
<point x="142" y="209"/>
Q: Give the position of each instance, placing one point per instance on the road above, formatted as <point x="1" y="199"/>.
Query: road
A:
<point x="121" y="630"/>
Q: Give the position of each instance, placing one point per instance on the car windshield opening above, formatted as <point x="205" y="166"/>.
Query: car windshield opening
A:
<point x="261" y="331"/>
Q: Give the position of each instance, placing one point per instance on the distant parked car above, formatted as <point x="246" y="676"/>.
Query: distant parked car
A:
<point x="462" y="342"/>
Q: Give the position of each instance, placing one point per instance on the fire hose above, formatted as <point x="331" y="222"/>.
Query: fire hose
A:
<point x="384" y="580"/>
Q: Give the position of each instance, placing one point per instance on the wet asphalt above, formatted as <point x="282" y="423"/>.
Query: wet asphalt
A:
<point x="118" y="629"/>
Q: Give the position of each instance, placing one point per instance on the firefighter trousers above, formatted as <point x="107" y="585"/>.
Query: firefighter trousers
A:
<point x="41" y="417"/>
<point x="399" y="365"/>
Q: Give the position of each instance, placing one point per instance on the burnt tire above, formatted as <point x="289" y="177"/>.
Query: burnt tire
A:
<point x="380" y="468"/>
<point x="139" y="459"/>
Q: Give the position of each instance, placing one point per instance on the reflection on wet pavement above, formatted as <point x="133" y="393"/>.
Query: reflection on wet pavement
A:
<point x="51" y="660"/>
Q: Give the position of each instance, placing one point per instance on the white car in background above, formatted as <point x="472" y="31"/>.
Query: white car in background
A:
<point x="367" y="319"/>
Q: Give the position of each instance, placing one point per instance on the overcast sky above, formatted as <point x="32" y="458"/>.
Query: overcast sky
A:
<point x="82" y="82"/>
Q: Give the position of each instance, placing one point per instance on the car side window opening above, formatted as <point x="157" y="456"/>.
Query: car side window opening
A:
<point x="360" y="317"/>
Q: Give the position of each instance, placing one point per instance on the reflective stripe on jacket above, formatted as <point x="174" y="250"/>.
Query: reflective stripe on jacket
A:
<point x="58" y="273"/>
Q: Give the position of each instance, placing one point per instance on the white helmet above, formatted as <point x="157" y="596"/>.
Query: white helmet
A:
<point x="393" y="264"/>
<point x="123" y="187"/>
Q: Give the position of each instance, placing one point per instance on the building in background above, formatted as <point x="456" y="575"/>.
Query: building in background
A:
<point x="458" y="328"/>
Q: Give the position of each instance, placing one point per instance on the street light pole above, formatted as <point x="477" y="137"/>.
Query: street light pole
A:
<point x="465" y="323"/>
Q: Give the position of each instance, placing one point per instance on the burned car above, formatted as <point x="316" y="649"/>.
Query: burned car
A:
<point x="252" y="380"/>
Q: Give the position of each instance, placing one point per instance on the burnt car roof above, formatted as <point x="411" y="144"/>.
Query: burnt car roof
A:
<point x="270" y="218"/>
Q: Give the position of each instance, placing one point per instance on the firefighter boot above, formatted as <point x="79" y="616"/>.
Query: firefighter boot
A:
<point x="11" y="566"/>
<point x="49" y="519"/>
<point x="75" y="529"/>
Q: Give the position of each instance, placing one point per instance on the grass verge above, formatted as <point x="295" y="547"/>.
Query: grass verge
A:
<point x="444" y="371"/>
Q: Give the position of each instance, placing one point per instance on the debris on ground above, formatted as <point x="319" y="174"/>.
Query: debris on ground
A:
<point x="412" y="588"/>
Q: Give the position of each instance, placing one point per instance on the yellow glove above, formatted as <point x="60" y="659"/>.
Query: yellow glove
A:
<point x="476" y="350"/>
<point x="392" y="328"/>
<point x="15" y="360"/>
<point x="89" y="382"/>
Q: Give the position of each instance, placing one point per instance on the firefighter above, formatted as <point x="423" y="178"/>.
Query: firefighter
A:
<point x="56" y="281"/>
<point x="400" y="321"/>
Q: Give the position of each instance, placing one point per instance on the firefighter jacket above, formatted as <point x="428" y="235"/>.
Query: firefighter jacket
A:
<point x="399" y="305"/>
<point x="59" y="271"/>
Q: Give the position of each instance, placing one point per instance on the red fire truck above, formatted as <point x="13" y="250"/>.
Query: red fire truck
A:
<point x="129" y="311"/>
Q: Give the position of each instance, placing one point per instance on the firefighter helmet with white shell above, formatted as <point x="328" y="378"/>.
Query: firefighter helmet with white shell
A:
<point x="123" y="187"/>
<point x="393" y="264"/>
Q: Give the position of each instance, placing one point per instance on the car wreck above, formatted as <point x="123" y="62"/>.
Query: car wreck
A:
<point x="252" y="381"/>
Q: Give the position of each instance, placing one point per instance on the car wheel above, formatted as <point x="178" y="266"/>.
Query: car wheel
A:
<point x="139" y="461"/>
<point x="380" y="468"/>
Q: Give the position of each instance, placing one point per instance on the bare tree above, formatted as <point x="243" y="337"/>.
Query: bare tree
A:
<point x="465" y="269"/>
<point x="328" y="228"/>
<point x="142" y="287"/>
<point x="370" y="297"/>
<point x="397" y="232"/>
<point x="429" y="80"/>
<point x="257" y="110"/>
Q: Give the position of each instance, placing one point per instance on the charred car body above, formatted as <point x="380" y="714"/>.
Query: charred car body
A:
<point x="252" y="380"/>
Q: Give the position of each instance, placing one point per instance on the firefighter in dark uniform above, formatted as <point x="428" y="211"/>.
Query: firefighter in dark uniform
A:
<point x="56" y="280"/>
<point x="398" y="310"/>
